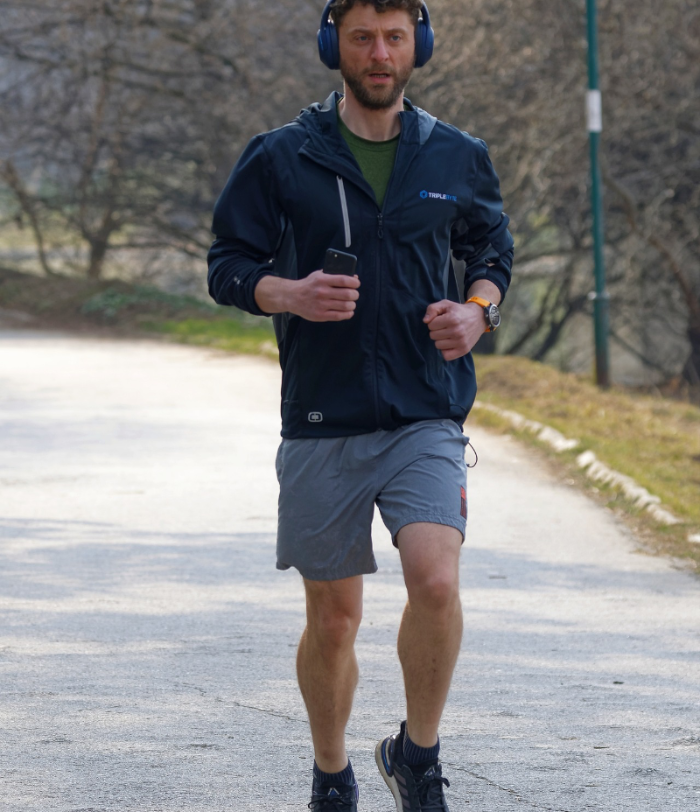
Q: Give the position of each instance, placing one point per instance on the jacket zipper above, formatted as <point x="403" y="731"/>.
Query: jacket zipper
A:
<point x="344" y="208"/>
<point x="348" y="241"/>
<point x="380" y="235"/>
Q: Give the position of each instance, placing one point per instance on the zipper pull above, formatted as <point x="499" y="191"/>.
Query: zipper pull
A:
<point x="380" y="224"/>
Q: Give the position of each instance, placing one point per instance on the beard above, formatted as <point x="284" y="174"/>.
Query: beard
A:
<point x="376" y="98"/>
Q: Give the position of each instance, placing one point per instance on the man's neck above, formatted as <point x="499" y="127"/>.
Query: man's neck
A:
<point x="374" y="125"/>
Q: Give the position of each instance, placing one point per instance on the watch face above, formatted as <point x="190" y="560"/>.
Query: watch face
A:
<point x="493" y="316"/>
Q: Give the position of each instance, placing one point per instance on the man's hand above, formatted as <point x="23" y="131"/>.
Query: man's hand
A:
<point x="326" y="297"/>
<point x="317" y="297"/>
<point x="455" y="328"/>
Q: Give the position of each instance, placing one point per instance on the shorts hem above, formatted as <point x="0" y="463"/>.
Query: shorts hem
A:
<point x="328" y="575"/>
<point x="430" y="518"/>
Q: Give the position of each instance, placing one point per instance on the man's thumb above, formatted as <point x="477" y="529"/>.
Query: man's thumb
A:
<point x="433" y="310"/>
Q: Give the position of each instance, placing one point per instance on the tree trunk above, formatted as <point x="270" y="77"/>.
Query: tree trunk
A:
<point x="12" y="178"/>
<point x="691" y="370"/>
<point x="98" y="250"/>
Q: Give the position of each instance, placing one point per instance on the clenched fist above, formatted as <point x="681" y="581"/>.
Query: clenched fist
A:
<point x="455" y="328"/>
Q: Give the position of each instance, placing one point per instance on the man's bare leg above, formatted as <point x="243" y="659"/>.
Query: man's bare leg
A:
<point x="431" y="628"/>
<point x="326" y="665"/>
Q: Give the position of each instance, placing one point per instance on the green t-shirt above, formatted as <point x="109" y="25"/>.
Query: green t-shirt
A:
<point x="375" y="159"/>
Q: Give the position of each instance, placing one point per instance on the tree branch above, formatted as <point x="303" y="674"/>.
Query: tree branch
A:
<point x="13" y="180"/>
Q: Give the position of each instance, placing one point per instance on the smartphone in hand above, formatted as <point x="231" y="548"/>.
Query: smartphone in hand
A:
<point x="338" y="262"/>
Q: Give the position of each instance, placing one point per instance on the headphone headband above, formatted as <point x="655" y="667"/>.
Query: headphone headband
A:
<point x="329" y="46"/>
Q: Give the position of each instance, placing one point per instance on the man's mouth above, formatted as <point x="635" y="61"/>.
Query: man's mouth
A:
<point x="380" y="76"/>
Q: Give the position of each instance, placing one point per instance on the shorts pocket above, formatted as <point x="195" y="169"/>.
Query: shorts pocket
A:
<point x="279" y="461"/>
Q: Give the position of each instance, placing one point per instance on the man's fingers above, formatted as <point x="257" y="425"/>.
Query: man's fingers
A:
<point x="329" y="315"/>
<point x="332" y="287"/>
<point x="338" y="315"/>
<point x="447" y="344"/>
<point x="342" y="307"/>
<point x="343" y="295"/>
<point x="340" y="280"/>
<point x="331" y="302"/>
<point x="435" y="309"/>
<point x="442" y="322"/>
<point x="332" y="311"/>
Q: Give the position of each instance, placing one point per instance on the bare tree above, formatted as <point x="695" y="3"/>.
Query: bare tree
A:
<point x="122" y="118"/>
<point x="515" y="74"/>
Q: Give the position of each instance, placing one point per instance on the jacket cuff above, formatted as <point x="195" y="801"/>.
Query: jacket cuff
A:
<point x="251" y="306"/>
<point x="497" y="276"/>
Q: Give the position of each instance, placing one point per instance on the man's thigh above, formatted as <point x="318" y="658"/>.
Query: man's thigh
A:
<point x="424" y="478"/>
<point x="326" y="504"/>
<point x="430" y="555"/>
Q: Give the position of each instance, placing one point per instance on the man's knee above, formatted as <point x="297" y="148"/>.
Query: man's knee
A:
<point x="333" y="625"/>
<point x="436" y="591"/>
<point x="333" y="611"/>
<point x="430" y="558"/>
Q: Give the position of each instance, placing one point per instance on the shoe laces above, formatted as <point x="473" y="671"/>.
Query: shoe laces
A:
<point x="322" y="802"/>
<point x="429" y="787"/>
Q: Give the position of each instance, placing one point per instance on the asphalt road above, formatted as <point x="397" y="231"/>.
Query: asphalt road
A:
<point x="147" y="642"/>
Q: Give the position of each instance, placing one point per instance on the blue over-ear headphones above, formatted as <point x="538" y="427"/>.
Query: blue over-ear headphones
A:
<point x="329" y="49"/>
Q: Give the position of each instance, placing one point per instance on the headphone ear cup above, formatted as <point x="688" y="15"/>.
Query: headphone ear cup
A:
<point x="425" y="38"/>
<point x="328" y="48"/>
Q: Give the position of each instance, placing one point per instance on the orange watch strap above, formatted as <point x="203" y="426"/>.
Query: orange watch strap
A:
<point x="483" y="303"/>
<point x="479" y="301"/>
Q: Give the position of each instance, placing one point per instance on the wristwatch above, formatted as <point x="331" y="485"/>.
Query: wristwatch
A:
<point x="491" y="313"/>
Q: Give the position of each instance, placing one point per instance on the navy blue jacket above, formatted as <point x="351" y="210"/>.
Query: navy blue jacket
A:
<point x="297" y="191"/>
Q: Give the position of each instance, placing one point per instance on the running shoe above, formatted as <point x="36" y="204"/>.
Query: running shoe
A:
<point x="334" y="799"/>
<point x="414" y="789"/>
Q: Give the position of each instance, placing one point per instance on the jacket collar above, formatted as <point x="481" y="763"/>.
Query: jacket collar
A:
<point x="416" y="124"/>
<point x="326" y="145"/>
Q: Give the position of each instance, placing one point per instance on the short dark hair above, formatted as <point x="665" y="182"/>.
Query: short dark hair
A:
<point x="341" y="7"/>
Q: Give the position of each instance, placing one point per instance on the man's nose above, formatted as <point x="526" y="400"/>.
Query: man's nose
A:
<point x="380" y="53"/>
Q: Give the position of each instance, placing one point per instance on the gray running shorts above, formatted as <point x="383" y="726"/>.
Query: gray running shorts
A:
<point x="329" y="487"/>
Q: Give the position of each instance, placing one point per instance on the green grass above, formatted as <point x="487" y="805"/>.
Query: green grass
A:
<point x="115" y="306"/>
<point x="113" y="301"/>
<point x="227" y="334"/>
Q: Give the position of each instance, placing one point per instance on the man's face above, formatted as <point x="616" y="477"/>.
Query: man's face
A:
<point x="377" y="52"/>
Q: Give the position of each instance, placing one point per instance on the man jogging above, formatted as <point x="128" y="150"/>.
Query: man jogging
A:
<point x="377" y="373"/>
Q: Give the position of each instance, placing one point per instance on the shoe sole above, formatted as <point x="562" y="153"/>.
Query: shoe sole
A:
<point x="388" y="779"/>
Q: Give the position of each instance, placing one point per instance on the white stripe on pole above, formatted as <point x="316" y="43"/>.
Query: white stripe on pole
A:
<point x="594" y="110"/>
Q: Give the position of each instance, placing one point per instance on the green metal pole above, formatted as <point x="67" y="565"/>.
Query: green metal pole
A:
<point x="595" y="125"/>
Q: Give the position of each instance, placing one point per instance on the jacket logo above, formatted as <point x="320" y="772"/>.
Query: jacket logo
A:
<point x="437" y="196"/>
<point x="315" y="417"/>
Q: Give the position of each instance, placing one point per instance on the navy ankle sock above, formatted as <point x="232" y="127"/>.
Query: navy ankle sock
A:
<point x="346" y="776"/>
<point x="414" y="755"/>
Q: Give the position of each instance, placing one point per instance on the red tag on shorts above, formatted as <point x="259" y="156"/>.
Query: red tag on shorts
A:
<point x="463" y="509"/>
